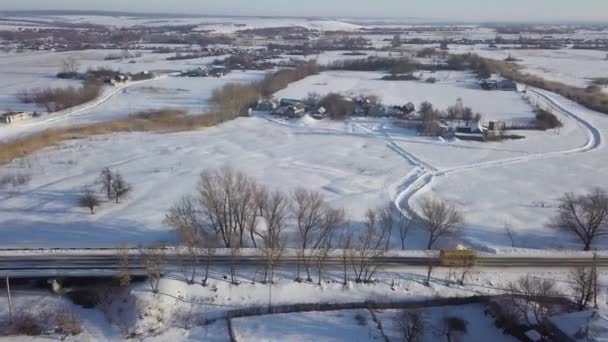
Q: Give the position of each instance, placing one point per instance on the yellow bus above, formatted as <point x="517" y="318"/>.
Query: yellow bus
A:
<point x="457" y="258"/>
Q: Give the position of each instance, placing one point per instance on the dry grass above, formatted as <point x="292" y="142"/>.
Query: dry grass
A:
<point x="163" y="121"/>
<point x="230" y="102"/>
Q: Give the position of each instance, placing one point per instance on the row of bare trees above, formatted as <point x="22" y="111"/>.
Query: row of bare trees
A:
<point x="231" y="210"/>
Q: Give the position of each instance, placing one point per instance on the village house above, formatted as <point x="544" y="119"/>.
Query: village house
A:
<point x="493" y="84"/>
<point x="117" y="79"/>
<point x="218" y="71"/>
<point x="198" y="72"/>
<point x="12" y="117"/>
<point x="266" y="105"/>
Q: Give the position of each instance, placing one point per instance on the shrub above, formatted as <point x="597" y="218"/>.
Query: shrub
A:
<point x="281" y="79"/>
<point x="601" y="81"/>
<point x="393" y="65"/>
<point x="67" y="323"/>
<point x="27" y="324"/>
<point x="15" y="180"/>
<point x="406" y="77"/>
<point x="56" y="99"/>
<point x="546" y="120"/>
<point x="337" y="106"/>
<point x="361" y="320"/>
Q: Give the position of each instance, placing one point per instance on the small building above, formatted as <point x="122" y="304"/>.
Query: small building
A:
<point x="493" y="84"/>
<point x="377" y="111"/>
<point x="296" y="111"/>
<point x="497" y="126"/>
<point x="472" y="131"/>
<point x="488" y="84"/>
<point x="289" y="102"/>
<point x="266" y="105"/>
<point x="218" y="71"/>
<point x="117" y="79"/>
<point x="507" y="85"/>
<point x="12" y="117"/>
<point x="408" y="108"/>
<point x="198" y="72"/>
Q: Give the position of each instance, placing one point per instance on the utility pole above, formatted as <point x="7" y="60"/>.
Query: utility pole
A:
<point x="270" y="289"/>
<point x="595" y="289"/>
<point x="10" y="301"/>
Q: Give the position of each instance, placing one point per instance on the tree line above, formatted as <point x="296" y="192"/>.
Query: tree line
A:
<point x="231" y="210"/>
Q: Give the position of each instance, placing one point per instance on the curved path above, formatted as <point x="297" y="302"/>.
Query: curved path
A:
<point x="594" y="141"/>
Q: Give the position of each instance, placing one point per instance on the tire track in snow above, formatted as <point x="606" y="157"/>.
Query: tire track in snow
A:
<point x="423" y="173"/>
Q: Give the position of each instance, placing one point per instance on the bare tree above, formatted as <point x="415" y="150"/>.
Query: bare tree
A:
<point x="106" y="178"/>
<point x="190" y="240"/>
<point x="346" y="238"/>
<point x="186" y="219"/>
<point x="438" y="218"/>
<point x="124" y="271"/>
<point x="452" y="327"/>
<point x="509" y="232"/>
<point x="226" y="199"/>
<point x="70" y="65"/>
<point x="209" y="245"/>
<point x="582" y="282"/>
<point x="367" y="247"/>
<point x="89" y="200"/>
<point x="387" y="218"/>
<point x="532" y="298"/>
<point x="586" y="216"/>
<point x="154" y="262"/>
<point x="235" y="252"/>
<point x="315" y="220"/>
<point x="274" y="209"/>
<point x="411" y="325"/>
<point x="120" y="188"/>
<point x="403" y="223"/>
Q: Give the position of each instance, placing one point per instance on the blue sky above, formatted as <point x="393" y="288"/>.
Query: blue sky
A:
<point x="520" y="10"/>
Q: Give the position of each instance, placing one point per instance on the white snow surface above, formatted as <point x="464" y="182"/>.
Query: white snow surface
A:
<point x="331" y="326"/>
<point x="480" y="328"/>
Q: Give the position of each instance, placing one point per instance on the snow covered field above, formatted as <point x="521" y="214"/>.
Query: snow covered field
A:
<point x="358" y="165"/>
<point x="354" y="173"/>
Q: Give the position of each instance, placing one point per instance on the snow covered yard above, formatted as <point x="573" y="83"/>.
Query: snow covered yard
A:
<point x="343" y="325"/>
<point x="178" y="311"/>
<point x="480" y="328"/>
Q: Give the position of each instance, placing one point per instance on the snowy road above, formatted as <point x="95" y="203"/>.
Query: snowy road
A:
<point x="16" y="130"/>
<point x="90" y="264"/>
